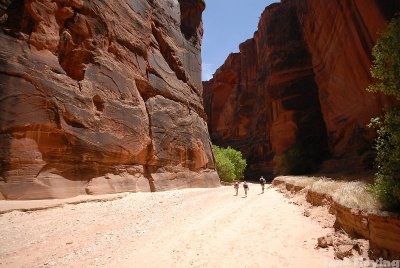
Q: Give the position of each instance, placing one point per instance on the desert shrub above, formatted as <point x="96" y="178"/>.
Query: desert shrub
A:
<point x="299" y="160"/>
<point x="301" y="181"/>
<point x="230" y="163"/>
<point x="355" y="194"/>
<point x="280" y="165"/>
<point x="387" y="181"/>
<point x="386" y="69"/>
<point x="386" y="65"/>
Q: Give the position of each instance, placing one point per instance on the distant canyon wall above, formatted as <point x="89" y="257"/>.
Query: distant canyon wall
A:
<point x="300" y="83"/>
<point x="101" y="97"/>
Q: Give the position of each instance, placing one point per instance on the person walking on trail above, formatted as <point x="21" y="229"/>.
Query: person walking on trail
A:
<point x="245" y="187"/>
<point x="262" y="182"/>
<point x="236" y="186"/>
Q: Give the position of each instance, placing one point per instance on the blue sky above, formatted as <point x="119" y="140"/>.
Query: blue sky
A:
<point x="227" y="23"/>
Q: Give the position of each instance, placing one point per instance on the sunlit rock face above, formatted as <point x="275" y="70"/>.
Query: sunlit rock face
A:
<point x="101" y="97"/>
<point x="301" y="80"/>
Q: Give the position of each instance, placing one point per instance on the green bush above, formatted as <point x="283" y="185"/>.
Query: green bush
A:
<point x="230" y="163"/>
<point x="225" y="168"/>
<point x="237" y="160"/>
<point x="387" y="181"/>
<point x="386" y="69"/>
<point x="386" y="66"/>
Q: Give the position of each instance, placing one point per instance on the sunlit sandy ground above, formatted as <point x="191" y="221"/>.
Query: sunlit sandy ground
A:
<point x="185" y="228"/>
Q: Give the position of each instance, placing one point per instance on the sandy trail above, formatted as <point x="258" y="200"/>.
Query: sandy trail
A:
<point x="185" y="228"/>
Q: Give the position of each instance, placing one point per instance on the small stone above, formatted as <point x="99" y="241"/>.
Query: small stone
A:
<point x="343" y="251"/>
<point x="329" y="240"/>
<point x="3" y="18"/>
<point x="306" y="213"/>
<point x="325" y="241"/>
<point x="322" y="243"/>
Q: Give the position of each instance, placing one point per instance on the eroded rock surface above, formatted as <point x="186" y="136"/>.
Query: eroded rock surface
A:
<point x="264" y="99"/>
<point x="99" y="96"/>
<point x="301" y="80"/>
<point x="340" y="35"/>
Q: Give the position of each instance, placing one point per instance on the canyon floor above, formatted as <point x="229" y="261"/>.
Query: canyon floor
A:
<point x="182" y="228"/>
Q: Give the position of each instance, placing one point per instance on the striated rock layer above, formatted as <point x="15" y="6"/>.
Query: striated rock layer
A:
<point x="299" y="84"/>
<point x="341" y="35"/>
<point x="101" y="97"/>
<point x="264" y="99"/>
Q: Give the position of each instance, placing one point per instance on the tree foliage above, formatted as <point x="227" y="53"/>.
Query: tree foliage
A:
<point x="387" y="181"/>
<point x="386" y="69"/>
<point x="230" y="163"/>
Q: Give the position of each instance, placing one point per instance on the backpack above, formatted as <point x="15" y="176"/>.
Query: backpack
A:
<point x="245" y="186"/>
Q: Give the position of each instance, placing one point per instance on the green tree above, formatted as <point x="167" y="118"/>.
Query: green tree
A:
<point x="230" y="163"/>
<point x="237" y="160"/>
<point x="386" y="66"/>
<point x="386" y="69"/>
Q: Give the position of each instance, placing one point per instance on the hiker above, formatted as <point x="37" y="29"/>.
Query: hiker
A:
<point x="236" y="186"/>
<point x="262" y="182"/>
<point x="245" y="187"/>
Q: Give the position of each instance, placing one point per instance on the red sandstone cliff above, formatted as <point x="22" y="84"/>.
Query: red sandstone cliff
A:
<point x="341" y="35"/>
<point x="264" y="100"/>
<point x="300" y="83"/>
<point x="101" y="97"/>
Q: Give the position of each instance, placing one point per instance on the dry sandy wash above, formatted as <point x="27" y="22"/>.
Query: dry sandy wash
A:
<point x="184" y="228"/>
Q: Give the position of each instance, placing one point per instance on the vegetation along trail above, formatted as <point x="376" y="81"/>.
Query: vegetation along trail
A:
<point x="183" y="228"/>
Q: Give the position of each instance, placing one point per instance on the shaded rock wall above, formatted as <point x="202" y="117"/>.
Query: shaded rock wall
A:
<point x="341" y="35"/>
<point x="101" y="97"/>
<point x="301" y="80"/>
<point x="264" y="99"/>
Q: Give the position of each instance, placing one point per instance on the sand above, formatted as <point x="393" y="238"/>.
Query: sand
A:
<point x="183" y="228"/>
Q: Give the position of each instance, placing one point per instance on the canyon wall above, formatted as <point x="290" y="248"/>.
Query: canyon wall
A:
<point x="299" y="84"/>
<point x="341" y="35"/>
<point x="101" y="97"/>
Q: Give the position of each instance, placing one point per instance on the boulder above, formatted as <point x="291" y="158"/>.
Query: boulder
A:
<point x="325" y="241"/>
<point x="343" y="251"/>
